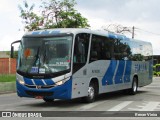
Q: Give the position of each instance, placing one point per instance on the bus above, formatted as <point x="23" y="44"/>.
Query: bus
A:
<point x="68" y="63"/>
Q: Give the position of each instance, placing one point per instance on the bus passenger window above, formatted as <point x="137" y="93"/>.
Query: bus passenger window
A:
<point x="94" y="55"/>
<point x="80" y="50"/>
<point x="101" y="48"/>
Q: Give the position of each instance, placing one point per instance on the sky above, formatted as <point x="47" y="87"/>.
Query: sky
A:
<point x="142" y="14"/>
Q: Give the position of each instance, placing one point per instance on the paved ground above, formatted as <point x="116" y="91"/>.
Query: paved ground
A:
<point x="147" y="99"/>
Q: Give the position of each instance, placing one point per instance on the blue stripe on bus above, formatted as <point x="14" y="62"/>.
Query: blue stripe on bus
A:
<point x="107" y="79"/>
<point x="127" y="71"/>
<point x="55" y="32"/>
<point x="44" y="32"/>
<point x="120" y="70"/>
<point x="116" y="36"/>
<point x="49" y="82"/>
<point x="28" y="81"/>
<point x="35" y="33"/>
<point x="38" y="82"/>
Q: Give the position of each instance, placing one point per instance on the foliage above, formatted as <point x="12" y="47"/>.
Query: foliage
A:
<point x="30" y="19"/>
<point x="15" y="54"/>
<point x="156" y="69"/>
<point x="137" y="57"/>
<point x="54" y="14"/>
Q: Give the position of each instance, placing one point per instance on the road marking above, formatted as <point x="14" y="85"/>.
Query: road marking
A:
<point x="150" y="106"/>
<point x="152" y="86"/>
<point x="91" y="105"/>
<point x="120" y="106"/>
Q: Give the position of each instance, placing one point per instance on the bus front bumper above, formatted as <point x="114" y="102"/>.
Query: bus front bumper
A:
<point x="58" y="92"/>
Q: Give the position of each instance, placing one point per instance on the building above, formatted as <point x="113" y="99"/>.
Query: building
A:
<point x="7" y="64"/>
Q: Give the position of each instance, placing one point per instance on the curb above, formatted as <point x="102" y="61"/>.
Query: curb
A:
<point x="6" y="87"/>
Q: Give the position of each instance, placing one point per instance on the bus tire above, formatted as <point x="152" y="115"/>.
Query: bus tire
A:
<point x="134" y="88"/>
<point x="91" y="93"/>
<point x="48" y="100"/>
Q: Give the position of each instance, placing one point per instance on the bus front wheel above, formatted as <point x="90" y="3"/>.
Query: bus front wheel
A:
<point x="91" y="93"/>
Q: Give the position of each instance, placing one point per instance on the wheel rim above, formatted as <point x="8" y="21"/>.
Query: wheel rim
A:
<point x="91" y="92"/>
<point x="134" y="86"/>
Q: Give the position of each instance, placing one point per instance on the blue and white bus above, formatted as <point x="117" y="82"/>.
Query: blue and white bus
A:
<point x="80" y="63"/>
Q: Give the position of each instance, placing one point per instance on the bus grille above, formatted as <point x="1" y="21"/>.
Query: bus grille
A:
<point x="31" y="93"/>
<point x="42" y="87"/>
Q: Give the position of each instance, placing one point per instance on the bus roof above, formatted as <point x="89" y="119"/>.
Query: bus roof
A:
<point x="56" y="31"/>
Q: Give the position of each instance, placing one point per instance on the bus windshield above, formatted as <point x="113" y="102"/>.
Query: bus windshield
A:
<point x="44" y="55"/>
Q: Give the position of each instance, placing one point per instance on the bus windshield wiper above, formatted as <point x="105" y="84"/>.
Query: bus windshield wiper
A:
<point x="36" y="57"/>
<point x="35" y="60"/>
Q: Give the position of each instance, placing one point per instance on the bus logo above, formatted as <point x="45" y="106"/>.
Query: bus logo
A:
<point x="38" y="87"/>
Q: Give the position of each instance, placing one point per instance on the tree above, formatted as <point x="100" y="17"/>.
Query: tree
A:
<point x="30" y="19"/>
<point x="54" y="14"/>
<point x="15" y="54"/>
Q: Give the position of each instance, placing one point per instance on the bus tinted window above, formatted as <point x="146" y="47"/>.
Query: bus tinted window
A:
<point x="104" y="48"/>
<point x="140" y="51"/>
<point x="101" y="48"/>
<point x="80" y="50"/>
<point x="122" y="50"/>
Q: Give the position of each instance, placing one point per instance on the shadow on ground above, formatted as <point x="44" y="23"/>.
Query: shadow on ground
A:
<point x="120" y="96"/>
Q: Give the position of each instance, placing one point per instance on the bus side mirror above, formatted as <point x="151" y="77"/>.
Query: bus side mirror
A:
<point x="12" y="48"/>
<point x="12" y="52"/>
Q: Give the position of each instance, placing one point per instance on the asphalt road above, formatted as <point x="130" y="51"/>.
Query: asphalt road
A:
<point x="147" y="99"/>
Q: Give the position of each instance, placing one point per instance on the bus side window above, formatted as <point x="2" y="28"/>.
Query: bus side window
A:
<point x="80" y="50"/>
<point x="95" y="52"/>
<point x="94" y="55"/>
<point x="101" y="48"/>
<point x="122" y="51"/>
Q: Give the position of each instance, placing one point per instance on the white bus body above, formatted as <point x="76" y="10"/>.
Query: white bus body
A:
<point x="73" y="63"/>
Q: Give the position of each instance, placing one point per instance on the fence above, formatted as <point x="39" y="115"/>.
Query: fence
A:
<point x="7" y="66"/>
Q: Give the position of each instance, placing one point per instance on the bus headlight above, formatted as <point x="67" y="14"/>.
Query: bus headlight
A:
<point x="21" y="82"/>
<point x="59" y="82"/>
<point x="62" y="81"/>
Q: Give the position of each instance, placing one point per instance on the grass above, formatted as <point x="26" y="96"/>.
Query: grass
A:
<point x="7" y="78"/>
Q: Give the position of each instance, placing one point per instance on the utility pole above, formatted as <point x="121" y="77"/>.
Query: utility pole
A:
<point x="133" y="32"/>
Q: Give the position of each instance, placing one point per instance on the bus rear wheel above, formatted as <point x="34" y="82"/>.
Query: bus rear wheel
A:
<point x="48" y="100"/>
<point x="134" y="88"/>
